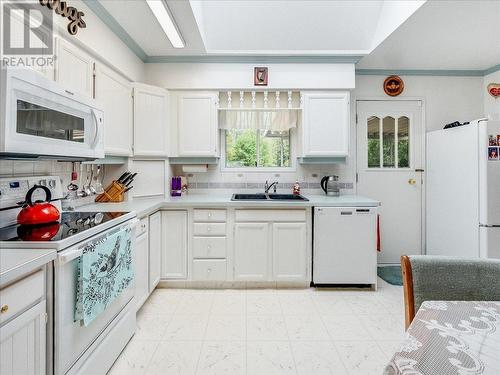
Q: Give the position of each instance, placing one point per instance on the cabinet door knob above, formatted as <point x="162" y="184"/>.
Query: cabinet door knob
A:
<point x="209" y="214"/>
<point x="4" y="309"/>
<point x="209" y="229"/>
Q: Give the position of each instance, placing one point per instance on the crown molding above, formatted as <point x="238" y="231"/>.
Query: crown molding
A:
<point x="115" y="27"/>
<point x="267" y="59"/>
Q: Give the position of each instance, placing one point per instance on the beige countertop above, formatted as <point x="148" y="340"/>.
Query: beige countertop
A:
<point x="145" y="206"/>
<point x="15" y="263"/>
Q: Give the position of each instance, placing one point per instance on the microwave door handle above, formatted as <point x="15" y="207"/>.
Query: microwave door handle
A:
<point x="96" y="128"/>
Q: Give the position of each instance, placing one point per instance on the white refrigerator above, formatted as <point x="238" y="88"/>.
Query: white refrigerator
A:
<point x="463" y="190"/>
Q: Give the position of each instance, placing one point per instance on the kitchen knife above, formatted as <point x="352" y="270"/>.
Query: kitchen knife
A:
<point x="123" y="177"/>
<point x="127" y="189"/>
<point x="129" y="179"/>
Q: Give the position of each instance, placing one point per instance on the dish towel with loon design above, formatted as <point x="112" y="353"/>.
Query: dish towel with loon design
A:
<point x="105" y="270"/>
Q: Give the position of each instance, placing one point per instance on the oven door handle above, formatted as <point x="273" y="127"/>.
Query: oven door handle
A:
<point x="69" y="256"/>
<point x="76" y="253"/>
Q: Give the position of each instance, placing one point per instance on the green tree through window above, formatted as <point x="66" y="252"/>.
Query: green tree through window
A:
<point x="257" y="148"/>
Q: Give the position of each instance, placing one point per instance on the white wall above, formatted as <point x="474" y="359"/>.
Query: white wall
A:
<point x="447" y="99"/>
<point x="491" y="105"/>
<point x="211" y="76"/>
<point x="102" y="42"/>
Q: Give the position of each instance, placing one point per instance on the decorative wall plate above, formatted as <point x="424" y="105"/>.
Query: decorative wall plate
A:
<point x="494" y="89"/>
<point x="393" y="85"/>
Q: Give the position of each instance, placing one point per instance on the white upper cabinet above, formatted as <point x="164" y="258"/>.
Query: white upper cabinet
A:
<point x="150" y="120"/>
<point x="115" y="94"/>
<point x="325" y="124"/>
<point x="197" y="124"/>
<point x="74" y="69"/>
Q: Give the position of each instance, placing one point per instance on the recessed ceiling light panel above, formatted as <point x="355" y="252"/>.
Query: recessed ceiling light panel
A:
<point x="162" y="14"/>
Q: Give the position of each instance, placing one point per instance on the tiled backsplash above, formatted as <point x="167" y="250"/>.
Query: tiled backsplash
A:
<point x="9" y="168"/>
<point x="252" y="185"/>
<point x="309" y="177"/>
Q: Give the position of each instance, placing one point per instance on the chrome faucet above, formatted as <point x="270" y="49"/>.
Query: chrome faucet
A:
<point x="268" y="187"/>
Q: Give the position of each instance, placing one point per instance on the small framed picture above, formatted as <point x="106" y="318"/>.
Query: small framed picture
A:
<point x="493" y="141"/>
<point x="498" y="140"/>
<point x="260" y="76"/>
<point x="492" y="153"/>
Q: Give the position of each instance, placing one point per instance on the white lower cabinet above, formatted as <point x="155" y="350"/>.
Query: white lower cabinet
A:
<point x="141" y="269"/>
<point x="252" y="255"/>
<point x="154" y="250"/>
<point x="209" y="269"/>
<point x="289" y="255"/>
<point x="236" y="245"/>
<point x="174" y="245"/>
<point x="276" y="249"/>
<point x="22" y="343"/>
<point x="209" y="247"/>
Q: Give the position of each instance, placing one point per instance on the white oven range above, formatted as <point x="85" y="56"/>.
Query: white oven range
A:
<point x="73" y="347"/>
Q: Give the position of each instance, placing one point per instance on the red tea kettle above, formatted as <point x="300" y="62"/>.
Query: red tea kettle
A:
<point x="39" y="212"/>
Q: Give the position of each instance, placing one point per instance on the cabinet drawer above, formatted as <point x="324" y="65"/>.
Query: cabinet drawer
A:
<point x="209" y="229"/>
<point x="209" y="215"/>
<point x="209" y="269"/>
<point x="270" y="215"/>
<point x="209" y="247"/>
<point x="143" y="226"/>
<point x="20" y="295"/>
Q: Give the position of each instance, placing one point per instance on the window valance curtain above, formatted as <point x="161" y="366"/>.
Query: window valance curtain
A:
<point x="271" y="120"/>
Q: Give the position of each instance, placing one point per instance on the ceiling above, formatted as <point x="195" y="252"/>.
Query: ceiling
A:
<point x="442" y="35"/>
<point x="264" y="27"/>
<point x="384" y="34"/>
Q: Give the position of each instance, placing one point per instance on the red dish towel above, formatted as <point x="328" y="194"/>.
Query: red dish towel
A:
<point x="378" y="233"/>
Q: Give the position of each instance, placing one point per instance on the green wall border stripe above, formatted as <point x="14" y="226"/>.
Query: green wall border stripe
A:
<point x="228" y="59"/>
<point x="113" y="24"/>
<point x="418" y="72"/>
<point x="493" y="69"/>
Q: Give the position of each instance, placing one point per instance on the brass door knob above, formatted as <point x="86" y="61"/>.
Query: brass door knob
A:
<point x="412" y="181"/>
<point x="4" y="309"/>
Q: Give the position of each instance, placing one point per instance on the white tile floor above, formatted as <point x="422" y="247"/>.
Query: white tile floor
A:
<point x="265" y="332"/>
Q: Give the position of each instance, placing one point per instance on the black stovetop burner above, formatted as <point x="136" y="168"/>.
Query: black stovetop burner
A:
<point x="71" y="223"/>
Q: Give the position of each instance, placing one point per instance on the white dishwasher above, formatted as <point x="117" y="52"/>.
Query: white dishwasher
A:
<point x="345" y="246"/>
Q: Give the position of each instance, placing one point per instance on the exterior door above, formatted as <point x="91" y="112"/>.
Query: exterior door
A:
<point x="389" y="169"/>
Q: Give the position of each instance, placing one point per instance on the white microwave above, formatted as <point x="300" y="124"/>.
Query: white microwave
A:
<point x="39" y="118"/>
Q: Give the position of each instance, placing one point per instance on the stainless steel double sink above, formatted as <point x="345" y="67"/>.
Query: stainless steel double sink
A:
<point x="264" y="197"/>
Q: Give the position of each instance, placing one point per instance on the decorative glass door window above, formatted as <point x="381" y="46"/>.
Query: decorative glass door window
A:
<point x="388" y="142"/>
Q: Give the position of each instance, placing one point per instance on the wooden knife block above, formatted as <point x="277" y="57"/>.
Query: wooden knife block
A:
<point x="113" y="193"/>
